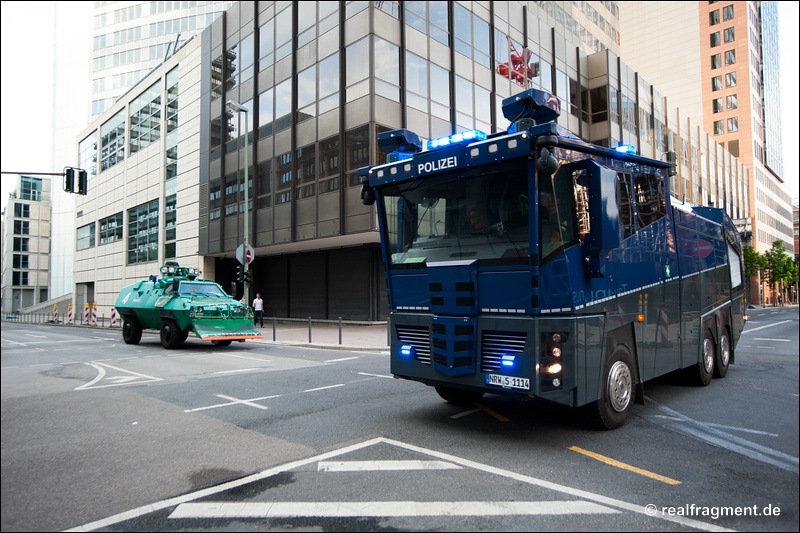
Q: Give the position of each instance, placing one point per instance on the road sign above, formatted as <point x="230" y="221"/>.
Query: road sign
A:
<point x="703" y="248"/>
<point x="243" y="255"/>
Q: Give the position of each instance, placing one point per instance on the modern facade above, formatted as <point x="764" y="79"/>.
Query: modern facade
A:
<point x="26" y="245"/>
<point x="101" y="50"/>
<point x="319" y="81"/>
<point x="726" y="61"/>
<point x="131" y="38"/>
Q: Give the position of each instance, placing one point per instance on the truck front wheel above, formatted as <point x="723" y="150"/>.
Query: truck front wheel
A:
<point x="131" y="330"/>
<point x="171" y="335"/>
<point x="618" y="388"/>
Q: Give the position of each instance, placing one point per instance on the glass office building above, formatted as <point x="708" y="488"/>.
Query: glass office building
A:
<point x="313" y="83"/>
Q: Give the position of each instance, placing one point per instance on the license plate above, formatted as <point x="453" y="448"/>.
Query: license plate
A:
<point x="508" y="382"/>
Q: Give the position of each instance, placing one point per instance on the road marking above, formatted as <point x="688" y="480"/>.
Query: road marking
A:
<point x="773" y="340"/>
<point x="492" y="412"/>
<point x="265" y="474"/>
<point x="731" y="442"/>
<point x="243" y="402"/>
<point x="380" y="466"/>
<point x="624" y="466"/>
<point x="233" y="402"/>
<point x="767" y="326"/>
<point x="722" y="426"/>
<point x="339" y="360"/>
<point x="375" y="375"/>
<point x="116" y="380"/>
<point x="237" y="370"/>
<point x="14" y="342"/>
<point x="244" y="357"/>
<point x="233" y="510"/>
<point x="465" y="413"/>
<point x="324" y="388"/>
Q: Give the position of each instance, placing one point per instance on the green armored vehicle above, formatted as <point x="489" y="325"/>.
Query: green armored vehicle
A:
<point x="178" y="304"/>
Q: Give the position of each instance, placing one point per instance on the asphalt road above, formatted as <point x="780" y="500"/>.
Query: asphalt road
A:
<point x="269" y="436"/>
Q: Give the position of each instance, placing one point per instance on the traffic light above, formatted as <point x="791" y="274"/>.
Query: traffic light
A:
<point x="83" y="182"/>
<point x="248" y="276"/>
<point x="240" y="273"/>
<point x="76" y="181"/>
<point x="69" y="179"/>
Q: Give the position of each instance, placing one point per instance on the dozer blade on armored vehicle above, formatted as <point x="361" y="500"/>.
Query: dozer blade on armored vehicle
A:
<point x="178" y="304"/>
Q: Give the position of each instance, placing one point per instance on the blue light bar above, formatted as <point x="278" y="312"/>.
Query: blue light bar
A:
<point x="407" y="350"/>
<point x="456" y="138"/>
<point x="626" y="149"/>
<point x="508" y="360"/>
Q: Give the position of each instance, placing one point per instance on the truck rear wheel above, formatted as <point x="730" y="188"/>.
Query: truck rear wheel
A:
<point x="171" y="335"/>
<point x="459" y="396"/>
<point x="701" y="373"/>
<point x="131" y="330"/>
<point x="723" y="358"/>
<point x="616" y="396"/>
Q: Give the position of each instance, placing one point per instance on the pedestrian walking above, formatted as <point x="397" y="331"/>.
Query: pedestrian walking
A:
<point x="258" y="308"/>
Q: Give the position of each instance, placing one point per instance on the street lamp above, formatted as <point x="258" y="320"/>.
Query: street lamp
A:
<point x="234" y="106"/>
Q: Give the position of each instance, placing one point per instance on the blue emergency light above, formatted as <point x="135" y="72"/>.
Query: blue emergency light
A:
<point x="456" y="138"/>
<point x="626" y="149"/>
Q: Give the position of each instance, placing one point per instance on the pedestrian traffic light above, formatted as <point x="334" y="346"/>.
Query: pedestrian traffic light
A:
<point x="248" y="276"/>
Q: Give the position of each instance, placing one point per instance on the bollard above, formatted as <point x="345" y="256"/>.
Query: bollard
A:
<point x="309" y="329"/>
<point x="273" y="328"/>
<point x="340" y="331"/>
<point x="388" y="331"/>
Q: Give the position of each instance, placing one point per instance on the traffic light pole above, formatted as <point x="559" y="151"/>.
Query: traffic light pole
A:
<point x="241" y="109"/>
<point x="246" y="287"/>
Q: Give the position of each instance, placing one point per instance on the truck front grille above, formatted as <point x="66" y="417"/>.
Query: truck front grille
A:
<point x="496" y="344"/>
<point x="419" y="337"/>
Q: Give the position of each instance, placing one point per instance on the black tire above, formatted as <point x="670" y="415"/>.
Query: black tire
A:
<point x="617" y="394"/>
<point x="221" y="343"/>
<point x="171" y="335"/>
<point x="723" y="355"/>
<point x="131" y="330"/>
<point x="185" y="335"/>
<point x="701" y="373"/>
<point x="459" y="396"/>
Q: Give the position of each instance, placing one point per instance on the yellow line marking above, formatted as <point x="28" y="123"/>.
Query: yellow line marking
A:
<point x="492" y="412"/>
<point x="612" y="462"/>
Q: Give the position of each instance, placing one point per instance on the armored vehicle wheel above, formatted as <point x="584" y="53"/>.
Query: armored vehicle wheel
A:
<point x="618" y="388"/>
<point x="459" y="396"/>
<point x="171" y="335"/>
<point x="221" y="343"/>
<point x="131" y="330"/>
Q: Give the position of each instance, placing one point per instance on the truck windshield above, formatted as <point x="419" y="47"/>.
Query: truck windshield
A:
<point x="472" y="214"/>
<point x="189" y="288"/>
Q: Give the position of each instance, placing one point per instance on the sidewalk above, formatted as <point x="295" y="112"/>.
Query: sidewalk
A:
<point x="295" y="332"/>
<point x="331" y="336"/>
